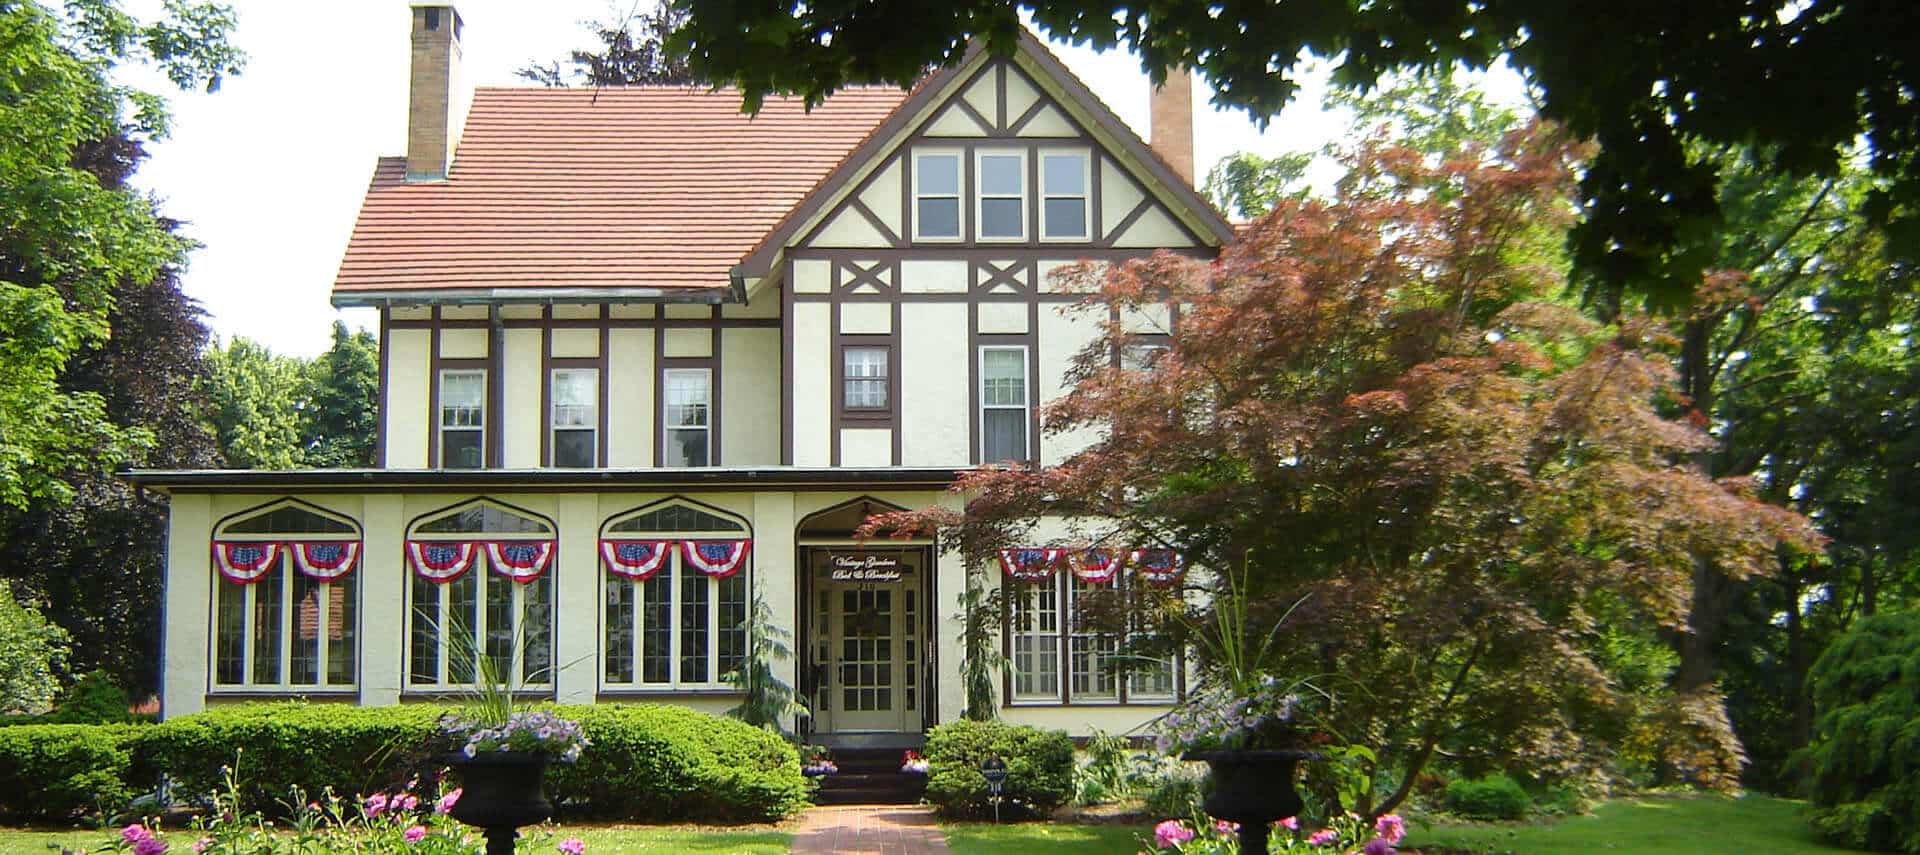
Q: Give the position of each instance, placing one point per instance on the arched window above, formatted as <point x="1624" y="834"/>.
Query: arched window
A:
<point x="285" y="598"/>
<point x="676" y="595"/>
<point x="481" y="592"/>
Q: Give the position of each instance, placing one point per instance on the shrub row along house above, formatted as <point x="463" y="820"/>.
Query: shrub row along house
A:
<point x="642" y="355"/>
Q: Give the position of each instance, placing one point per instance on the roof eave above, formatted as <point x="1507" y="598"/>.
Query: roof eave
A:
<point x="383" y="297"/>
<point x="335" y="480"/>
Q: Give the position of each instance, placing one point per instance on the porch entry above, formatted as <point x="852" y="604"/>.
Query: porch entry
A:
<point x="867" y="643"/>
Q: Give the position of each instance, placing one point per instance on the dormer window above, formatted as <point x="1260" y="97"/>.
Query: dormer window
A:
<point x="936" y="193"/>
<point x="1002" y="195"/>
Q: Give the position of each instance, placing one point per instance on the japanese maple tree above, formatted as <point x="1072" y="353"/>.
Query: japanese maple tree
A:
<point x="1382" y="403"/>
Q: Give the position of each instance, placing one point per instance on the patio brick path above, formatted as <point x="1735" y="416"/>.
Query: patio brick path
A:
<point x="870" y="830"/>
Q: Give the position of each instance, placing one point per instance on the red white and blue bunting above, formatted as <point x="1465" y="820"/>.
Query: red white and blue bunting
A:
<point x="716" y="558"/>
<point x="441" y="561"/>
<point x="245" y="562"/>
<point x="520" y="560"/>
<point x="1029" y="564"/>
<point x="1158" y="566"/>
<point x="1095" y="566"/>
<point x="635" y="559"/>
<point x="325" y="560"/>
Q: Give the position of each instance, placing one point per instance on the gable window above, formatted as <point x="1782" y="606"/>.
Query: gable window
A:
<point x="1063" y="195"/>
<point x="575" y="419"/>
<point x="1004" y="410"/>
<point x="285" y="600"/>
<point x="688" y="416"/>
<point x="1002" y="195"/>
<point x="936" y="194"/>
<point x="463" y="405"/>
<point x="671" y="621"/>
<point x="864" y="380"/>
<point x="481" y="594"/>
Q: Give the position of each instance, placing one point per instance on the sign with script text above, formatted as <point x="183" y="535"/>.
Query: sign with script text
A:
<point x="864" y="567"/>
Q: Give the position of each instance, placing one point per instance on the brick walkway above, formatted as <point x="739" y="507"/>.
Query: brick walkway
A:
<point x="870" y="830"/>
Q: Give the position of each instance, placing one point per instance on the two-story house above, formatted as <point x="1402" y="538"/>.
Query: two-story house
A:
<point x="642" y="355"/>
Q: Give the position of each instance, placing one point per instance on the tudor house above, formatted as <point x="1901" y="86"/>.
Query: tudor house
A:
<point x="642" y="355"/>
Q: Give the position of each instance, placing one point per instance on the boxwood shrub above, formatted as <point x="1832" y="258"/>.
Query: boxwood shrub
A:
<point x="61" y="771"/>
<point x="1492" y="797"/>
<point x="647" y="761"/>
<point x="1039" y="768"/>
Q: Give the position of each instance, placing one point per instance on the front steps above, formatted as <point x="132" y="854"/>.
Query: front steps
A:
<point x="870" y="776"/>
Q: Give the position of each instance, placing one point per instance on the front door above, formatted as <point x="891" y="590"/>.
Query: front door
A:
<point x="867" y="626"/>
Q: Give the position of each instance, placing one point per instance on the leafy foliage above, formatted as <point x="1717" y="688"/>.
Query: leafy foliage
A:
<point x="980" y="659"/>
<point x="1039" y="767"/>
<point x="636" y="49"/>
<point x="61" y="771"/>
<point x="340" y="424"/>
<point x="1373" y="401"/>
<point x="769" y="701"/>
<point x="1794" y="87"/>
<point x="1864" y="760"/>
<point x="1492" y="797"/>
<point x="1248" y="185"/>
<point x="32" y="651"/>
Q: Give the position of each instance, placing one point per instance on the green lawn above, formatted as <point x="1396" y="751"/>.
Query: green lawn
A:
<point x="973" y="838"/>
<point x="600" y="840"/>
<point x="1676" y="825"/>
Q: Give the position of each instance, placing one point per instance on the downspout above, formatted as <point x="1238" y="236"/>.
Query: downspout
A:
<point x="496" y="387"/>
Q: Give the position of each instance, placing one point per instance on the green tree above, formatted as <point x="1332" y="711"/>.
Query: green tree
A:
<point x="66" y="240"/>
<point x="341" y="412"/>
<point x="1865" y="756"/>
<point x="257" y="400"/>
<point x="32" y="656"/>
<point x="632" y="50"/>
<point x="1794" y="84"/>
<point x="768" y="701"/>
<point x="1247" y="185"/>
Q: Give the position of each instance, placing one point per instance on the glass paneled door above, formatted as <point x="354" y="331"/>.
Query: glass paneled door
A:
<point x="867" y="619"/>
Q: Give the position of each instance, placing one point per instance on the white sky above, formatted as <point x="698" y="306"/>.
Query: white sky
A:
<point x="268" y="173"/>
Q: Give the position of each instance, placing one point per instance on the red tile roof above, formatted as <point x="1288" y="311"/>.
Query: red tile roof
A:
<point x="627" y="187"/>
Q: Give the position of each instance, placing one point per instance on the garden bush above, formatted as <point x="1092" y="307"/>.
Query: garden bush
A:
<point x="662" y="762"/>
<point x="61" y="771"/>
<point x="646" y="761"/>
<point x="1039" y="767"/>
<point x="1863" y="762"/>
<point x="1491" y="797"/>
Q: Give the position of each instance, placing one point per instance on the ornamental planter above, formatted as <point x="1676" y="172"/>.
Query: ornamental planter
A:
<point x="500" y="792"/>
<point x="1253" y="788"/>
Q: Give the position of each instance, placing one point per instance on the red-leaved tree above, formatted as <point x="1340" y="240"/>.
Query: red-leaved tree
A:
<point x="1382" y="403"/>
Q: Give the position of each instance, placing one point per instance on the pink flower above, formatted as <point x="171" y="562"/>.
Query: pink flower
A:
<point x="148" y="846"/>
<point x="1224" y="827"/>
<point x="1323" y="837"/>
<point x="1171" y="833"/>
<point x="1291" y="823"/>
<point x="415" y="834"/>
<point x="404" y="802"/>
<point x="446" y="802"/>
<point x="572" y="846"/>
<point x="202" y="844"/>
<point x="375" y="804"/>
<point x="135" y="833"/>
<point x="1391" y="827"/>
<point x="1378" y="846"/>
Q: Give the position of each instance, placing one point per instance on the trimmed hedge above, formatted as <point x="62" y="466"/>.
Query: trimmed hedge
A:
<point x="1493" y="797"/>
<point x="669" y="763"/>
<point x="61" y="771"/>
<point x="1039" y="768"/>
<point x="647" y="761"/>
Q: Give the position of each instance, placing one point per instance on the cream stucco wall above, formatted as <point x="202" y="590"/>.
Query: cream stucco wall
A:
<point x="630" y="415"/>
<point x="812" y="385"/>
<point x="750" y="397"/>
<point x="521" y="414"/>
<point x="409" y="373"/>
<point x="1064" y="332"/>
<point x="933" y="384"/>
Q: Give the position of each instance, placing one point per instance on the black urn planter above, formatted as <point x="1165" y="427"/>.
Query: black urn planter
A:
<point x="500" y="791"/>
<point x="1253" y="788"/>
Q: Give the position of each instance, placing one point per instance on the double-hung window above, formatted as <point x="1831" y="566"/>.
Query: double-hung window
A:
<point x="864" y="378"/>
<point x="575" y="419"/>
<point x="480" y="611"/>
<point x="285" y="600"/>
<point x="1074" y="641"/>
<point x="1005" y="408"/>
<point x="936" y="195"/>
<point x="463" y="407"/>
<point x="1001" y="194"/>
<point x="688" y="416"/>
<point x="1063" y="195"/>
<point x="678" y="627"/>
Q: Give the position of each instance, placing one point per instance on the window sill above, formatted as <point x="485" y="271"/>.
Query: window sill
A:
<point x="614" y="694"/>
<point x="261" y="693"/>
<point x="1127" y="704"/>
<point x="459" y="694"/>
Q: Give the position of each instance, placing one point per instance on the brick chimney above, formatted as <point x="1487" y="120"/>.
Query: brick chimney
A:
<point x="1171" y="114"/>
<point x="435" y="106"/>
